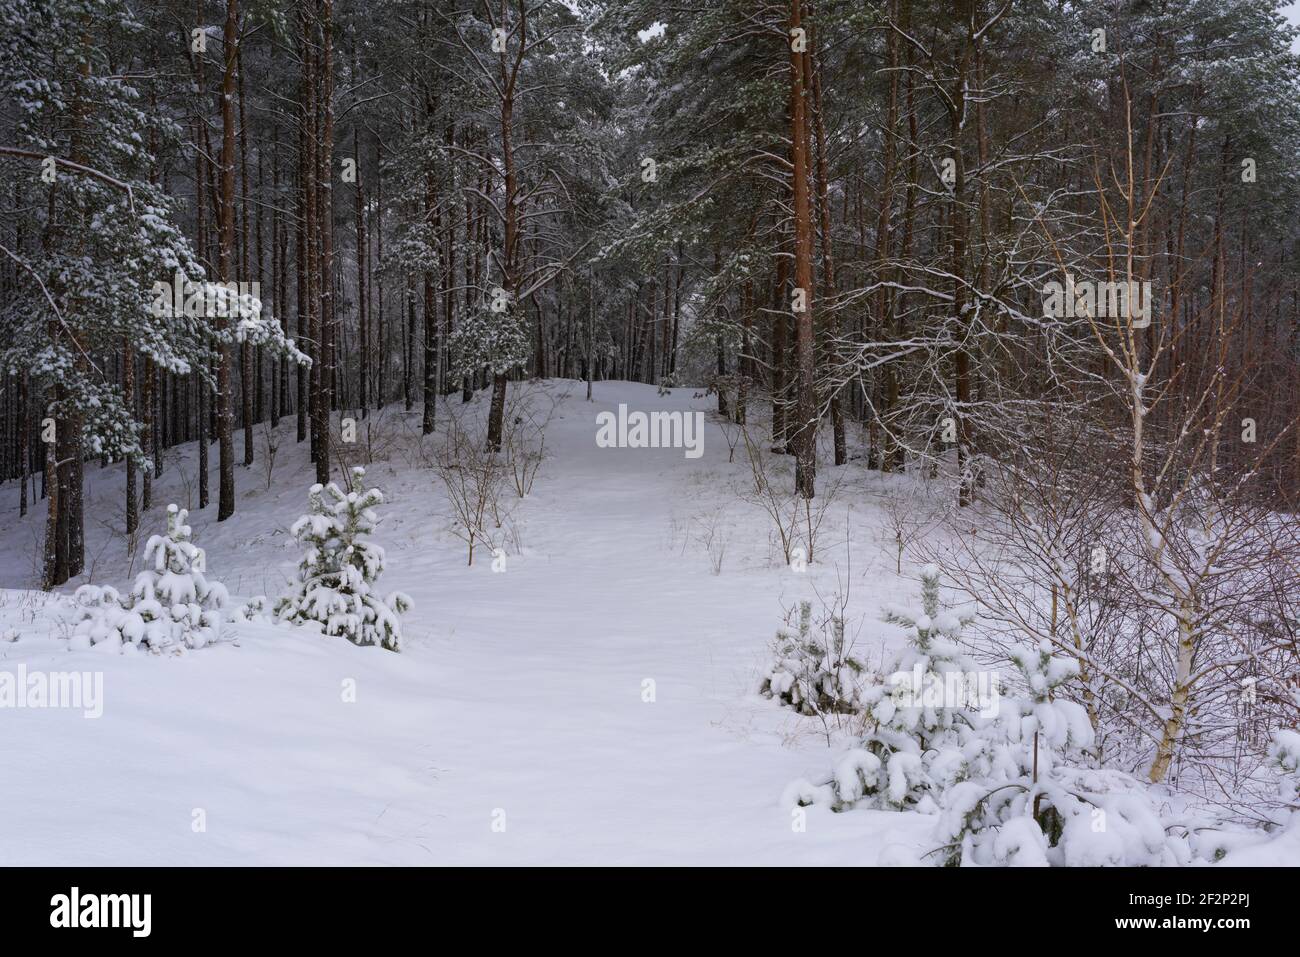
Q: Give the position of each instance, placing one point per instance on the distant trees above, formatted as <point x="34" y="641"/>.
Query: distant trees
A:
<point x="847" y="213"/>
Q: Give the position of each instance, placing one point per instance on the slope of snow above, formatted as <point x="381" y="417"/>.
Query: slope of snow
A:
<point x="518" y="697"/>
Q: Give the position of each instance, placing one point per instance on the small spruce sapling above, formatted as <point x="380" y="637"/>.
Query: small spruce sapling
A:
<point x="922" y="723"/>
<point x="337" y="574"/>
<point x="1011" y="811"/>
<point x="814" y="674"/>
<point x="172" y="605"/>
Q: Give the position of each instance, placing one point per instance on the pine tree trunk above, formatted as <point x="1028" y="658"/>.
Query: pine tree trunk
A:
<point x="62" y="481"/>
<point x="813" y="81"/>
<point x="779" y="306"/>
<point x="245" y="348"/>
<point x="509" y="73"/>
<point x="496" y="412"/>
<point x="326" y="228"/>
<point x="279" y="285"/>
<point x="408" y="347"/>
<point x="591" y="336"/>
<point x="303" y="230"/>
<point x="430" y="296"/>
<point x="381" y="333"/>
<point x="890" y="458"/>
<point x="958" y="225"/>
<point x="226" y="265"/>
<point x="75" y="500"/>
<point x="128" y="397"/>
<point x="24" y="439"/>
<point x="363" y="330"/>
<point x="804" y="437"/>
<point x="50" y="486"/>
<point x="449" y="270"/>
<point x="150" y="431"/>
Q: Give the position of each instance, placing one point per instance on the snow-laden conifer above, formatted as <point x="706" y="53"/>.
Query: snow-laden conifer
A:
<point x="814" y="673"/>
<point x="172" y="605"/>
<point x="1009" y="777"/>
<point x="918" y="736"/>
<point x="338" y="571"/>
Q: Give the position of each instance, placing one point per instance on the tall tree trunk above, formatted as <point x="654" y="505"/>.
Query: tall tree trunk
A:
<point x="201" y="238"/>
<point x="813" y="80"/>
<point x="225" y="411"/>
<point x="591" y="335"/>
<point x="891" y="457"/>
<point x="957" y="123"/>
<point x="430" y="317"/>
<point x="408" y="347"/>
<point x="259" y="379"/>
<point x="804" y="437"/>
<point x="24" y="438"/>
<point x="363" y="329"/>
<point x="449" y="266"/>
<point x="50" y="485"/>
<point x="128" y="397"/>
<point x="302" y="231"/>
<point x="325" y="226"/>
<point x="779" y="363"/>
<point x="245" y="348"/>
<point x="381" y="393"/>
<point x="150" y="424"/>
<point x="510" y="261"/>
<point x="279" y="287"/>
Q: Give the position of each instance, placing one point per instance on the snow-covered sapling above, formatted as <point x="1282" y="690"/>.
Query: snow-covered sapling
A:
<point x="172" y="605"/>
<point x="814" y="673"/>
<point x="924" y="714"/>
<point x="337" y="574"/>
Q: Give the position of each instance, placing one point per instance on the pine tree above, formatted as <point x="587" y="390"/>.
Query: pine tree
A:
<point x="108" y="237"/>
<point x="337" y="574"/>
<point x="172" y="605"/>
<point x="924" y="714"/>
<point x="814" y="673"/>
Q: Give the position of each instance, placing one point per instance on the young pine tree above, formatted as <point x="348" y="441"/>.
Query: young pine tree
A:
<point x="172" y="604"/>
<point x="337" y="574"/>
<point x="815" y="674"/>
<point x="923" y="723"/>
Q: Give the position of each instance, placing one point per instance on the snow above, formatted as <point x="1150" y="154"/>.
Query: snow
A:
<point x="519" y="692"/>
<point x="589" y="695"/>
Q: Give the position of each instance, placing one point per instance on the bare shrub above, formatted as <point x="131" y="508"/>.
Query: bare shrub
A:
<point x="795" y="521"/>
<point x="270" y="445"/>
<point x="474" y="477"/>
<point x="529" y="412"/>
<point x="910" y="515"/>
<point x="780" y="506"/>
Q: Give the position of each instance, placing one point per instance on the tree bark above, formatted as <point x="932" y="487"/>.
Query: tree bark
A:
<point x="804" y="437"/>
<point x="325" y="226"/>
<point x="225" y="412"/>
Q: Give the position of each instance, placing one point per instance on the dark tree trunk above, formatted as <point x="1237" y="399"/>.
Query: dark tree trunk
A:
<point x="804" y="437"/>
<point x="225" y="411"/>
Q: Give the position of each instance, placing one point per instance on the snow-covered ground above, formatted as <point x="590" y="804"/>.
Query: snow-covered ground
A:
<point x="512" y="728"/>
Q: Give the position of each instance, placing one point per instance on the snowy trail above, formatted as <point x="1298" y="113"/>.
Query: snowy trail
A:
<point x="518" y="699"/>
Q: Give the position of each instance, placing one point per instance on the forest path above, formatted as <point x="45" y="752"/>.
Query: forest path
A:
<point x="614" y="602"/>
